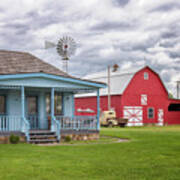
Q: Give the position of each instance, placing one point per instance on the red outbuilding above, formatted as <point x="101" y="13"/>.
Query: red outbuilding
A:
<point x="138" y="95"/>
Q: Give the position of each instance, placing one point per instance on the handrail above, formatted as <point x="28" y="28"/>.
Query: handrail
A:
<point x="57" y="129"/>
<point x="26" y="128"/>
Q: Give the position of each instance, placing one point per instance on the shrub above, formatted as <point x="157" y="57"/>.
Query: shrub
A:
<point x="67" y="139"/>
<point x="13" y="139"/>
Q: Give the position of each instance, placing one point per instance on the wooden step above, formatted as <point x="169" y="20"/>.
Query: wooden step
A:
<point x="42" y="136"/>
<point x="37" y="141"/>
<point x="41" y="132"/>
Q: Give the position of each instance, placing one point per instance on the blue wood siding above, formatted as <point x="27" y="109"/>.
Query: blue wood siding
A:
<point x="68" y="99"/>
<point x="14" y="102"/>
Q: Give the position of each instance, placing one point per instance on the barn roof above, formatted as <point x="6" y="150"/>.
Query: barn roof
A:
<point x="119" y="81"/>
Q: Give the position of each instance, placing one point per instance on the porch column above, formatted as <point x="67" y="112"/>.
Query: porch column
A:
<point x="22" y="102"/>
<point x="22" y="108"/>
<point x="72" y="105"/>
<point x="98" y="110"/>
<point x="52" y="107"/>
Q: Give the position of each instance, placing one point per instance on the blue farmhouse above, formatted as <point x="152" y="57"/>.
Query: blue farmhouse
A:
<point x="37" y="100"/>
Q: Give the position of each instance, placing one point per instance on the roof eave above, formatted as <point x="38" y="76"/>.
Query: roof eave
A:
<point x="55" y="77"/>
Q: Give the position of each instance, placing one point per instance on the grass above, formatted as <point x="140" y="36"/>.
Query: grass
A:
<point x="153" y="153"/>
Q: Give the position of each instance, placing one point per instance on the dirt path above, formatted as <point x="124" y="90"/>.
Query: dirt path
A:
<point x="111" y="140"/>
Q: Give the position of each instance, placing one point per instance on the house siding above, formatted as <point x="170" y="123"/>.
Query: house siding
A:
<point x="13" y="104"/>
<point x="68" y="104"/>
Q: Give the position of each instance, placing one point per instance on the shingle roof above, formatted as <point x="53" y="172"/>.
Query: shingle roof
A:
<point x="12" y="62"/>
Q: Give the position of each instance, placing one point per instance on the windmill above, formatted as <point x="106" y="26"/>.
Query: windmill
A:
<point x="65" y="47"/>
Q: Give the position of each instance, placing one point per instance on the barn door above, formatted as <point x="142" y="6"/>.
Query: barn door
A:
<point x="134" y="114"/>
<point x="160" y="117"/>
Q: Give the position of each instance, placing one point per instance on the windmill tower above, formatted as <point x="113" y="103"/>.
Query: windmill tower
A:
<point x="65" y="47"/>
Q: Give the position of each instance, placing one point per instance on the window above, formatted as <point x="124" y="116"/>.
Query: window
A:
<point x="2" y="104"/>
<point x="146" y="76"/>
<point x="57" y="104"/>
<point x="150" y="113"/>
<point x="143" y="99"/>
<point x="32" y="105"/>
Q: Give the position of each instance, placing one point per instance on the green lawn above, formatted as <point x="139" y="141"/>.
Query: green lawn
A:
<point x="152" y="153"/>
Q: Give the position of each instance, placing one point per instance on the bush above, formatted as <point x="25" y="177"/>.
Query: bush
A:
<point x="13" y="139"/>
<point x="67" y="139"/>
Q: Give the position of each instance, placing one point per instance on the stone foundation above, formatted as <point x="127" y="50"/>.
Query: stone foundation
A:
<point x="81" y="137"/>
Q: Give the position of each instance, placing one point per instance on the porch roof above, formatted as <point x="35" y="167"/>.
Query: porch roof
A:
<point x="16" y="68"/>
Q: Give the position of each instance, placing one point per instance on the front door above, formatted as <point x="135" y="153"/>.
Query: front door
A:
<point x="32" y="112"/>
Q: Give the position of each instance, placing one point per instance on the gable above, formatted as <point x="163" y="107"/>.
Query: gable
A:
<point x="153" y="84"/>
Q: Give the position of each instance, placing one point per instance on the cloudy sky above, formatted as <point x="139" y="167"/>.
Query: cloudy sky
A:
<point x="130" y="33"/>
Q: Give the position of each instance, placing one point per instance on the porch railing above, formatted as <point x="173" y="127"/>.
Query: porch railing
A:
<point x="77" y="122"/>
<point x="10" y="123"/>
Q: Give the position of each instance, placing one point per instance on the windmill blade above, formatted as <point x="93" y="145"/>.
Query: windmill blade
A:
<point x="49" y="44"/>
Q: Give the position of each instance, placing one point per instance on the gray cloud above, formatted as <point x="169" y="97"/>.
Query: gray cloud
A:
<point x="115" y="26"/>
<point x="18" y="28"/>
<point x="174" y="54"/>
<point x="121" y="2"/>
<point x="107" y="32"/>
<point x="167" y="7"/>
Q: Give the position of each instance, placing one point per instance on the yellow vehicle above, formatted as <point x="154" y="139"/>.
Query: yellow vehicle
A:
<point x="108" y="118"/>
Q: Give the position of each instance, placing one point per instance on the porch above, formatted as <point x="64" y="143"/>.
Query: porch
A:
<point x="28" y="109"/>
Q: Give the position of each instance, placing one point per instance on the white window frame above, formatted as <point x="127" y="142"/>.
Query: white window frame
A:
<point x="148" y="113"/>
<point x="146" y="101"/>
<point x="146" y="75"/>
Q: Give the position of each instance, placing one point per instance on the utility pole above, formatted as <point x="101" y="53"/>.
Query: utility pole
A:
<point x="115" y="68"/>
<point x="109" y="88"/>
<point x="178" y="82"/>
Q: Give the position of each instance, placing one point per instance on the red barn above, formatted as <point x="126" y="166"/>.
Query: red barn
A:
<point x="139" y="95"/>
